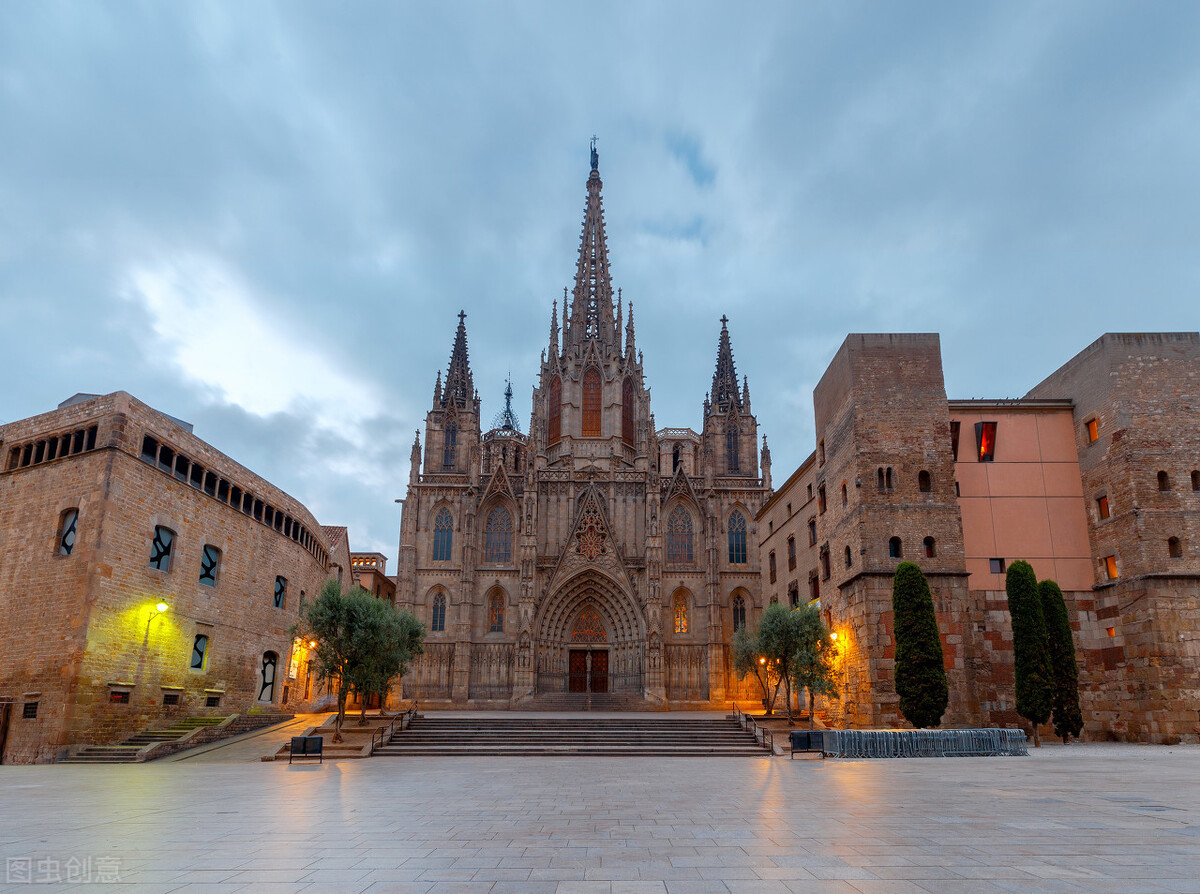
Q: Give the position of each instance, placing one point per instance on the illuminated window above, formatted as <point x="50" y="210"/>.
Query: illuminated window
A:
<point x="266" y="691"/>
<point x="1092" y="427"/>
<point x="1164" y="481"/>
<point x="737" y="539"/>
<point x="496" y="612"/>
<point x="930" y="546"/>
<point x="1110" y="567"/>
<point x="985" y="441"/>
<point x="996" y="566"/>
<point x="771" y="563"/>
<point x="66" y="531"/>
<point x="437" y="623"/>
<point x="443" y="535"/>
<point x="924" y="482"/>
<point x="1174" y="548"/>
<point x="1111" y="631"/>
<point x="1102" y="508"/>
<point x="210" y="561"/>
<point x="955" y="425"/>
<point x="591" y="403"/>
<point x="280" y="591"/>
<point x="554" y="411"/>
<point x="679" y="537"/>
<point x="895" y="549"/>
<point x="739" y="612"/>
<point x="449" y="443"/>
<point x="628" y="431"/>
<point x="497" y="543"/>
<point x="732" y="463"/>
<point x="160" y="548"/>
<point x="680" y="612"/>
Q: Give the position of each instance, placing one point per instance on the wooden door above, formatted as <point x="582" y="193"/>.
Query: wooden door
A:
<point x="600" y="671"/>
<point x="577" y="679"/>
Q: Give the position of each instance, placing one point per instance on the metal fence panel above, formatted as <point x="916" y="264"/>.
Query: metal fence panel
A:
<point x="858" y="743"/>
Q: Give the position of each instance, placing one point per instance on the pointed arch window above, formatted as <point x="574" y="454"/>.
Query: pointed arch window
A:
<point x="739" y="612"/>
<point x="449" y="443"/>
<point x="737" y="538"/>
<point x="679" y="611"/>
<point x="732" y="464"/>
<point x="437" y="622"/>
<point x="496" y="612"/>
<point x="679" y="537"/>
<point x="627" y="426"/>
<point x="443" y="535"/>
<point x="591" y="403"/>
<point x="497" y="544"/>
<point x="554" y="411"/>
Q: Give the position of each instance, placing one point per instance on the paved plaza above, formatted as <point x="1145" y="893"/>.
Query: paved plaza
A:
<point x="1079" y="818"/>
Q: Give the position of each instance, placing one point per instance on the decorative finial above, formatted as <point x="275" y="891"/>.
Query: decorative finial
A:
<point x="724" y="321"/>
<point x="462" y="315"/>
<point x="595" y="155"/>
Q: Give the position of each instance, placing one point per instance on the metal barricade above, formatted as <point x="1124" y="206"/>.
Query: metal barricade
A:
<point x="853" y="743"/>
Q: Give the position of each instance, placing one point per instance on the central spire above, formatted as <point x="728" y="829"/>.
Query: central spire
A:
<point x="725" y="381"/>
<point x="592" y="312"/>
<point x="460" y="386"/>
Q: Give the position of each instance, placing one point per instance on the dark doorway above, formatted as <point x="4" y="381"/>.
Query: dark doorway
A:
<point x="577" y="678"/>
<point x="599" y="672"/>
<point x="5" y="714"/>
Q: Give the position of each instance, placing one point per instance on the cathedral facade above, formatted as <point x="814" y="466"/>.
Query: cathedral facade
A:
<point x="595" y="556"/>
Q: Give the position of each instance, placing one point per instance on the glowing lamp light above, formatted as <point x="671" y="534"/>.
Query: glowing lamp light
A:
<point x="161" y="607"/>
<point x="833" y="636"/>
<point x="762" y="661"/>
<point x="312" y="644"/>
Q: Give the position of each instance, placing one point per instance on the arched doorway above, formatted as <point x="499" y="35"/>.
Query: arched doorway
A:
<point x="590" y="639"/>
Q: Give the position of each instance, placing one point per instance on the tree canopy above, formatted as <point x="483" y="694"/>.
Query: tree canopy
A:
<point x="1068" y="719"/>
<point x="920" y="666"/>
<point x="1034" y="676"/>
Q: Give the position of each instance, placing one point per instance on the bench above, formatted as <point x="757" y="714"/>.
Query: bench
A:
<point x="807" y="740"/>
<point x="307" y="746"/>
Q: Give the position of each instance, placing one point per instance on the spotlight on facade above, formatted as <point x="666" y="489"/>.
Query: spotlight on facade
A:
<point x="161" y="607"/>
<point x="833" y="636"/>
<point x="312" y="643"/>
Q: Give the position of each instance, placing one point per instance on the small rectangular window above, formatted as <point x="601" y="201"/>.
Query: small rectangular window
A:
<point x="196" y="476"/>
<point x="821" y="452"/>
<point x="1102" y="507"/>
<point x="29" y="711"/>
<point x="812" y="532"/>
<point x="235" y="497"/>
<point x="160" y="548"/>
<point x="66" y="532"/>
<point x="1110" y="567"/>
<point x="119" y="697"/>
<point x="149" y="449"/>
<point x="26" y="455"/>
<point x="170" y="698"/>
<point x="166" y="458"/>
<point x="794" y="594"/>
<point x="51" y="449"/>
<point x="210" y="484"/>
<point x="955" y="426"/>
<point x="77" y="441"/>
<point x="985" y="441"/>
<point x="212" y="701"/>
<point x="223" y="491"/>
<point x="1092" y="427"/>
<point x="791" y="544"/>
<point x="771" y="563"/>
<point x="210" y="561"/>
<point x="91" y="437"/>
<point x="199" y="651"/>
<point x="39" y="452"/>
<point x="996" y="566"/>
<point x="181" y="467"/>
<point x="280" y="591"/>
<point x="821" y="498"/>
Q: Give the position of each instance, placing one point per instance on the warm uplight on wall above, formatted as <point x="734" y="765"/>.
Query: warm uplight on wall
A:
<point x="161" y="607"/>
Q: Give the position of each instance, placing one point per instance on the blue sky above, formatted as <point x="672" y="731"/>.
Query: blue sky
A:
<point x="264" y="218"/>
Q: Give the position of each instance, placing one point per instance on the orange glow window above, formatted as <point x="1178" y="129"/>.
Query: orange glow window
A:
<point x="985" y="441"/>
<point x="591" y="403"/>
<point x="1110" y="567"/>
<point x="1093" y="431"/>
<point x="1102" y="507"/>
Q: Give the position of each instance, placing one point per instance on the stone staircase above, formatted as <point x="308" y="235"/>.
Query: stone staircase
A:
<point x="613" y="735"/>
<point x="589" y="701"/>
<point x="187" y="733"/>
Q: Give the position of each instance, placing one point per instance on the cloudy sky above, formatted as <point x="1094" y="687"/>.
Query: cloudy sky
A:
<point x="263" y="218"/>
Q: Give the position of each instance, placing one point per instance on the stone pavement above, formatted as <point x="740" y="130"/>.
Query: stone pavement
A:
<point x="1080" y="818"/>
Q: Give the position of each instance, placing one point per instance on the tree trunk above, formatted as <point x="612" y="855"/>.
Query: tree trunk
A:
<point x="341" y="716"/>
<point x="1037" y="739"/>
<point x="362" y="717"/>
<point x="787" y="691"/>
<point x="810" y="709"/>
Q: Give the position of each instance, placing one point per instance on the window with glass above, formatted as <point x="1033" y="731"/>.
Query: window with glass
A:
<point x="1102" y="509"/>
<point x="628" y="429"/>
<point x="199" y="651"/>
<point x="737" y="539"/>
<point x="680" y="612"/>
<point x="67" y="525"/>
<point x="930" y="547"/>
<point x="679" y="537"/>
<point x="895" y="548"/>
<point x="437" y="623"/>
<point x="591" y="403"/>
<point x="739" y="612"/>
<point x="497" y="541"/>
<point x="266" y="689"/>
<point x="985" y="441"/>
<point x="160" y="548"/>
<point x="280" y="591"/>
<point x="791" y="550"/>
<point x="554" y="411"/>
<point x="496" y="612"/>
<point x="443" y="535"/>
<point x="210" y="561"/>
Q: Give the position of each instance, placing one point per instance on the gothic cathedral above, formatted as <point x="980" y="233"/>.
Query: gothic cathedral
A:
<point x="595" y="557"/>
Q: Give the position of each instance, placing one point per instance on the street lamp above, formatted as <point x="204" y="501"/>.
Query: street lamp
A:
<point x="161" y="607"/>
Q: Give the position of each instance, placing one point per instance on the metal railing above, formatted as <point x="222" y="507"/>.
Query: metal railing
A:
<point x="855" y="743"/>
<point x="383" y="735"/>
<point x="761" y="734"/>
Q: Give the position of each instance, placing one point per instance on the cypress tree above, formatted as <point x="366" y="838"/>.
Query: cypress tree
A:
<point x="920" y="668"/>
<point x="1034" y="676"/>
<point x="1068" y="720"/>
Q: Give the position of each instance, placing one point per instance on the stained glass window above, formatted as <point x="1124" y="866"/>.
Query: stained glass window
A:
<point x="496" y="613"/>
<point x="443" y="535"/>
<point x="591" y="403"/>
<point x="627" y="426"/>
<point x="160" y="548"/>
<point x="554" y="411"/>
<point x="985" y="440"/>
<point x="280" y="591"/>
<point x="737" y="539"/>
<point x="679" y="537"/>
<point x="66" y="532"/>
<point x="680" y="612"/>
<point x="199" y="651"/>
<point x="210" y="559"/>
<point x="739" y="612"/>
<point x="588" y="627"/>
<point x="266" y="692"/>
<point x="438" y="622"/>
<point x="497" y="545"/>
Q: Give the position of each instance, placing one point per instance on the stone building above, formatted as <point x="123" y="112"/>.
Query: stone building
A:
<point x="370" y="573"/>
<point x="594" y="553"/>
<point x="144" y="576"/>
<point x="1092" y="478"/>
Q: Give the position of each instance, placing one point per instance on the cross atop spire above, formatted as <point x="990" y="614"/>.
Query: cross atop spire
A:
<point x="725" y="391"/>
<point x="595" y="156"/>
<point x="460" y="386"/>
